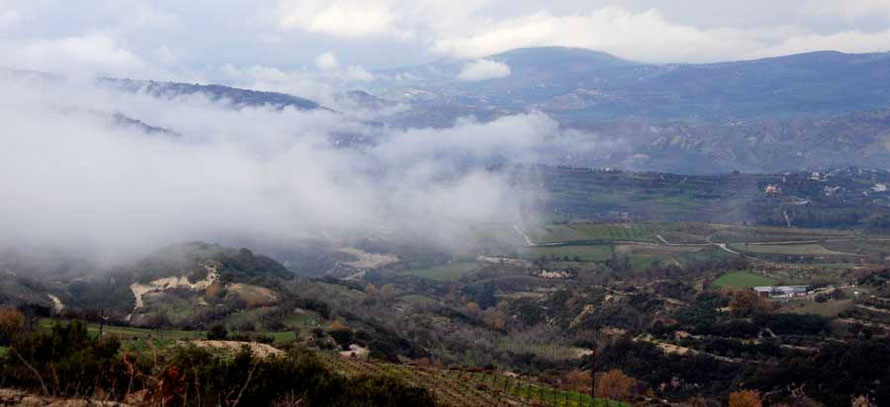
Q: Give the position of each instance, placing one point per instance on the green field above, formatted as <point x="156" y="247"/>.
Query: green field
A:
<point x="459" y="388"/>
<point x="742" y="234"/>
<point x="448" y="272"/>
<point x="635" y="232"/>
<point x="789" y="249"/>
<point x="583" y="253"/>
<point x="417" y="299"/>
<point x="246" y="317"/>
<point x="829" y="309"/>
<point x="138" y="336"/>
<point x="303" y="319"/>
<point x="742" y="279"/>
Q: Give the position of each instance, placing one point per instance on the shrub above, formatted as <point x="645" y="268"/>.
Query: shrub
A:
<point x="68" y="362"/>
<point x="217" y="333"/>
<point x="615" y="385"/>
<point x="744" y="398"/>
<point x="12" y="321"/>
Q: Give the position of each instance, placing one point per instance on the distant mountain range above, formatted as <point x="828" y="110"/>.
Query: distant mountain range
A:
<point x="806" y="111"/>
<point x="813" y="110"/>
<point x="579" y="86"/>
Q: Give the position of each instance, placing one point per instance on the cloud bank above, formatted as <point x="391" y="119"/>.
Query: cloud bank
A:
<point x="649" y="36"/>
<point x="73" y="179"/>
<point x="194" y="41"/>
<point x="483" y="69"/>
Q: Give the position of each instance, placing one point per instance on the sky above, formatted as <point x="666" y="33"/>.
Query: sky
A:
<point x="308" y="46"/>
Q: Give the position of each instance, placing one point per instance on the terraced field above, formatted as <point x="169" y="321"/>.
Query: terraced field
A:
<point x="126" y="333"/>
<point x="770" y="234"/>
<point x="578" y="194"/>
<point x="139" y="337"/>
<point x="674" y="241"/>
<point x="580" y="253"/>
<point x="447" y="272"/>
<point x="810" y="249"/>
<point x="592" y="232"/>
<point x="459" y="388"/>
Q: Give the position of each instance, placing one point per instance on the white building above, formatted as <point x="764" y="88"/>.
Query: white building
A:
<point x="782" y="291"/>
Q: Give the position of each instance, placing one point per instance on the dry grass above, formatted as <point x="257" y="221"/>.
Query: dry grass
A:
<point x="261" y="350"/>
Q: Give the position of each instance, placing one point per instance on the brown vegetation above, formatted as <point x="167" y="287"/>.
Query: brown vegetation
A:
<point x="747" y="303"/>
<point x="745" y="398"/>
<point x="579" y="380"/>
<point x="615" y="385"/>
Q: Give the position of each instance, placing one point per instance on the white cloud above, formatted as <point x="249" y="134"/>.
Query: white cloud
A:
<point x="185" y="41"/>
<point x="9" y="18"/>
<point x="483" y="69"/>
<point x="302" y="83"/>
<point x="850" y="9"/>
<point x="88" y="54"/>
<point x="357" y="73"/>
<point x="74" y="180"/>
<point x="847" y="41"/>
<point x="644" y="36"/>
<point x="144" y="17"/>
<point x="321" y="85"/>
<point x="648" y="36"/>
<point x="326" y="61"/>
<point x="343" y="18"/>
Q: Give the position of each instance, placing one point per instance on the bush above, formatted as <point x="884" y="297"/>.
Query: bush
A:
<point x="794" y="324"/>
<point x="68" y="362"/>
<point x="300" y="373"/>
<point x="218" y="333"/>
<point x="343" y="337"/>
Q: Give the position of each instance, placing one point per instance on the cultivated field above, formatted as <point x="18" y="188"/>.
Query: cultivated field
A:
<point x="456" y="387"/>
<point x="742" y="279"/>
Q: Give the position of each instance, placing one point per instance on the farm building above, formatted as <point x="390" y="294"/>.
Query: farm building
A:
<point x="782" y="291"/>
<point x="772" y="190"/>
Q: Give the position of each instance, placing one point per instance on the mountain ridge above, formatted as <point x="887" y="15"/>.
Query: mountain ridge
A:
<point x="239" y="97"/>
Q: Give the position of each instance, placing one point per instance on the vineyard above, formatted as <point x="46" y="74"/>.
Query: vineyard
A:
<point x="458" y="387"/>
<point x="848" y="201"/>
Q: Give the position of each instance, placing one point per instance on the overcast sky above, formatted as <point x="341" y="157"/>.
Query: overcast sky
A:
<point x="252" y="42"/>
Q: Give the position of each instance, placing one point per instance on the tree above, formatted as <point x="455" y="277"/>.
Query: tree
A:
<point x="615" y="385"/>
<point x="862" y="401"/>
<point x="387" y="293"/>
<point x="484" y="295"/>
<point x="619" y="265"/>
<point x="697" y="401"/>
<point x="495" y="318"/>
<point x="747" y="303"/>
<point x="745" y="398"/>
<point x="12" y="322"/>
<point x="579" y="380"/>
<point x="218" y="333"/>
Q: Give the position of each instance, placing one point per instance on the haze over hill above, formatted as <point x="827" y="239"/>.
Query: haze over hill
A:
<point x="580" y="86"/>
<point x="421" y="133"/>
<point x="153" y="164"/>
<point x="776" y="114"/>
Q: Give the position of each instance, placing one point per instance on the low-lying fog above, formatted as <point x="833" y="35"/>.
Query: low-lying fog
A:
<point x="75" y="179"/>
